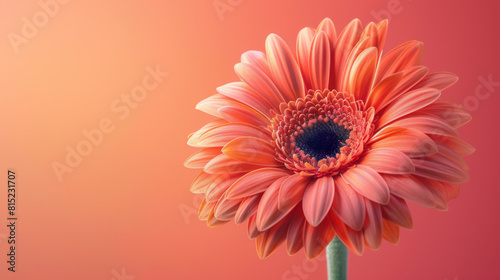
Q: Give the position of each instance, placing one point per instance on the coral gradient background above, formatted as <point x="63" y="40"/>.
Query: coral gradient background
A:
<point x="125" y="211"/>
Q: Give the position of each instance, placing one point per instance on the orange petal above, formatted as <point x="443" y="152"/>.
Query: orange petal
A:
<point x="271" y="239"/>
<point x="352" y="239"/>
<point x="317" y="238"/>
<point x="245" y="114"/>
<point x="295" y="236"/>
<point x="223" y="164"/>
<point x="219" y="186"/>
<point x="244" y="94"/>
<point x="347" y="39"/>
<point x="391" y="232"/>
<point x="400" y="58"/>
<point x="201" y="182"/>
<point x="202" y="157"/>
<point x="362" y="73"/>
<point x="220" y="135"/>
<point x="251" y="150"/>
<point x="253" y="232"/>
<point x="225" y="209"/>
<point x="382" y="92"/>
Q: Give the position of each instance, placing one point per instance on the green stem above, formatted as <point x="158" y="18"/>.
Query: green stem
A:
<point x="336" y="259"/>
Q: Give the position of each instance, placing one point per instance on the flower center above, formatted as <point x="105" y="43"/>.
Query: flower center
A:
<point x="322" y="139"/>
<point x="321" y="133"/>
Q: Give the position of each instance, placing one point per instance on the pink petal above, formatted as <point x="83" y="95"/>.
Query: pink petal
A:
<point x="257" y="59"/>
<point x="223" y="164"/>
<point x="411" y="189"/>
<point x="243" y="93"/>
<point x="348" y="204"/>
<point x="284" y="68"/>
<point x="441" y="168"/>
<point x="255" y="182"/>
<point x="368" y="183"/>
<point x="409" y="141"/>
<point x="318" y="198"/>
<point x="251" y="150"/>
<point x="453" y="113"/>
<point x="408" y="103"/>
<point x="438" y="80"/>
<point x="458" y="145"/>
<point x="397" y="212"/>
<point x="260" y="82"/>
<point x="373" y="229"/>
<point x="387" y="160"/>
<point x="211" y="104"/>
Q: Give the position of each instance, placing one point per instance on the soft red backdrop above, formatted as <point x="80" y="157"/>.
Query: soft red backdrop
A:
<point x="126" y="210"/>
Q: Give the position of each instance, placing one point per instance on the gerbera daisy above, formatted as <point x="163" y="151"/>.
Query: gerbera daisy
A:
<point x="331" y="140"/>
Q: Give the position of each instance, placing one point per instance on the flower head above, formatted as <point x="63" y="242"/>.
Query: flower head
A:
<point x="329" y="141"/>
